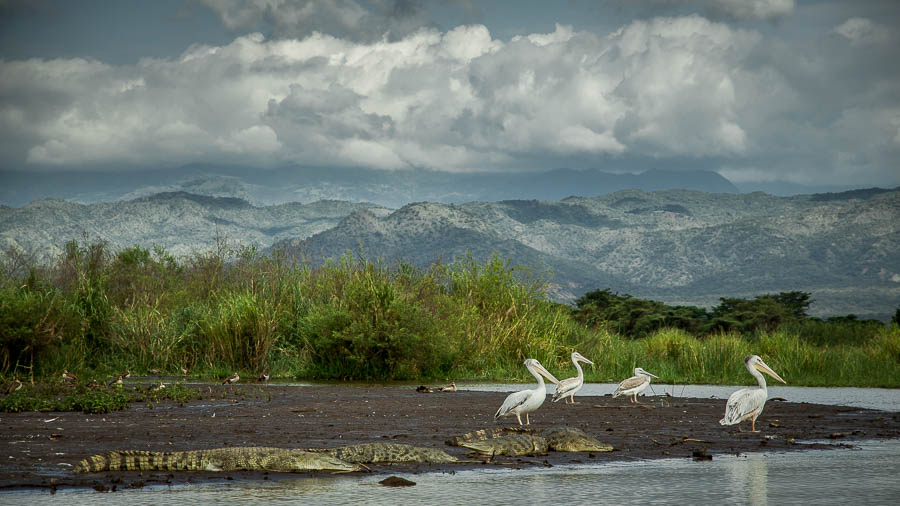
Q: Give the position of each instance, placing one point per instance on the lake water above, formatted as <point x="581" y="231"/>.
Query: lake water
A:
<point x="866" y="474"/>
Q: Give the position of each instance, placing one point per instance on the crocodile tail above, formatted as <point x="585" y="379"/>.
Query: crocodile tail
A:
<point x="139" y="460"/>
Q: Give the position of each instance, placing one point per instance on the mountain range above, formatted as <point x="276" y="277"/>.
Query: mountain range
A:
<point x="392" y="189"/>
<point x="676" y="246"/>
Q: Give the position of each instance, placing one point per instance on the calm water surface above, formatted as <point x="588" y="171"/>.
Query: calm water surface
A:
<point x="864" y="475"/>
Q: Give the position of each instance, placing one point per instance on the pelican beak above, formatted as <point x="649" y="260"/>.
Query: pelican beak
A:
<point x="586" y="361"/>
<point x="545" y="373"/>
<point x="651" y="375"/>
<point x="762" y="367"/>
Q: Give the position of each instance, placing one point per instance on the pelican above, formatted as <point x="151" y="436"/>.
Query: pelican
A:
<point x="526" y="401"/>
<point x="568" y="386"/>
<point x="635" y="384"/>
<point x="747" y="403"/>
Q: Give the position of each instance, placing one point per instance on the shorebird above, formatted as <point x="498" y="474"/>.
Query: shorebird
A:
<point x="526" y="401"/>
<point x="263" y="377"/>
<point x="69" y="377"/>
<point x="231" y="380"/>
<point x="635" y="384"/>
<point x="158" y="387"/>
<point x="185" y="371"/>
<point x="16" y="385"/>
<point x="449" y="388"/>
<point x="120" y="380"/>
<point x="747" y="403"/>
<point x="568" y="386"/>
<point x="154" y="371"/>
<point x="422" y="389"/>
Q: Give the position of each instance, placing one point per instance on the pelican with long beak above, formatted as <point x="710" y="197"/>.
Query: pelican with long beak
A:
<point x="747" y="403"/>
<point x="526" y="401"/>
<point x="567" y="387"/>
<point x="635" y="384"/>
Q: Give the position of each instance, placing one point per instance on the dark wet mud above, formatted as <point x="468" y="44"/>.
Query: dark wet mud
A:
<point x="40" y="449"/>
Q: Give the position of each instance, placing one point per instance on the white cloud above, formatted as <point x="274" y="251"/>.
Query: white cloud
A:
<point x="754" y="9"/>
<point x="865" y="32"/>
<point x="682" y="87"/>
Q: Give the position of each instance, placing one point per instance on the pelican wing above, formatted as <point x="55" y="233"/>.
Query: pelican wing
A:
<point x="512" y="401"/>
<point x="632" y="382"/>
<point x="743" y="404"/>
<point x="565" y="387"/>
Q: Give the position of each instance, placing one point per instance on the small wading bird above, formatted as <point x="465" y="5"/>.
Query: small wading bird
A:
<point x="16" y="385"/>
<point x="119" y="381"/>
<point x="526" y="401"/>
<point x="231" y="380"/>
<point x="747" y="403"/>
<point x="635" y="384"/>
<point x="263" y="377"/>
<point x="568" y="387"/>
<point x="69" y="377"/>
<point x="449" y="388"/>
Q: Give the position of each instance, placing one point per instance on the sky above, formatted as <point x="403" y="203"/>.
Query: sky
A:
<point x="760" y="91"/>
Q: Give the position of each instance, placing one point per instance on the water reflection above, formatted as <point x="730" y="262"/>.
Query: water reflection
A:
<point x="748" y="477"/>
<point x="817" y="477"/>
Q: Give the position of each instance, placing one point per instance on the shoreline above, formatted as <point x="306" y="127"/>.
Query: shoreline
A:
<point x="43" y="447"/>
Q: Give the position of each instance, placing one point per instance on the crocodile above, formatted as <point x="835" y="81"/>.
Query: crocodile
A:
<point x="513" y="445"/>
<point x="526" y="441"/>
<point x="249" y="458"/>
<point x="570" y="439"/>
<point x="389" y="452"/>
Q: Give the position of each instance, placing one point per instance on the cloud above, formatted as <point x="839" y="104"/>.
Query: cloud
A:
<point x="683" y="88"/>
<point x="390" y="19"/>
<point x="753" y="9"/>
<point x="734" y="9"/>
<point x="863" y="32"/>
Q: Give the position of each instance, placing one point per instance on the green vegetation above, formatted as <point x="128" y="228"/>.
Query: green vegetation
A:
<point x="97" y="312"/>
<point x="55" y="397"/>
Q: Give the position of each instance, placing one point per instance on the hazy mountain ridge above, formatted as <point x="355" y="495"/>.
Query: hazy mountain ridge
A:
<point x="386" y="188"/>
<point x="679" y="246"/>
<point x="182" y="223"/>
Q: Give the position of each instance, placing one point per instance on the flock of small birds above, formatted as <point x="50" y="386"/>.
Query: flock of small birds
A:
<point x="71" y="379"/>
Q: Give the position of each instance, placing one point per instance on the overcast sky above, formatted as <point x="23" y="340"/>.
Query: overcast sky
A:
<point x="758" y="90"/>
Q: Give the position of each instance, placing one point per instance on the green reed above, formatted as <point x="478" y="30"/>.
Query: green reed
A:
<point x="230" y="310"/>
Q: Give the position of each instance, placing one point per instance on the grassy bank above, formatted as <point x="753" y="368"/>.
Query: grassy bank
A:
<point x="97" y="312"/>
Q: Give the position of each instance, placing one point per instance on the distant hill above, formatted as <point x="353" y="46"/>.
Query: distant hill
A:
<point x="676" y="246"/>
<point x="681" y="247"/>
<point x="384" y="188"/>
<point x="182" y="223"/>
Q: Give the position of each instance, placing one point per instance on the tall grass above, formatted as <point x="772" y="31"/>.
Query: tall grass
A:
<point x="355" y="318"/>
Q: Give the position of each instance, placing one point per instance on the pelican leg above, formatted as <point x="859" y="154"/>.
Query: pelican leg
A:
<point x="527" y="420"/>
<point x="519" y="417"/>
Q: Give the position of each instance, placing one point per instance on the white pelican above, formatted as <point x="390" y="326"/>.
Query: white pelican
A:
<point x="527" y="401"/>
<point x="635" y="384"/>
<point x="568" y="386"/>
<point x="747" y="403"/>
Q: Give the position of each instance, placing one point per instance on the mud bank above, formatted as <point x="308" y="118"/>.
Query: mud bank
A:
<point x="42" y="448"/>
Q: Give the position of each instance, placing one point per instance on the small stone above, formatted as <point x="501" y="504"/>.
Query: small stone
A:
<point x="396" y="481"/>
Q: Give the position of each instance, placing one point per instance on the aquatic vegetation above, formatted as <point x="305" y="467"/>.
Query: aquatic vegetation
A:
<point x="227" y="310"/>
